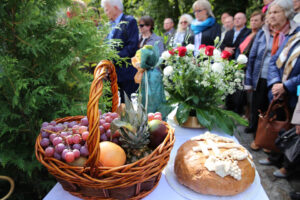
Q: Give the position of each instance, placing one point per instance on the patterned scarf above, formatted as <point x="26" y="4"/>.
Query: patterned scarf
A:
<point x="198" y="26"/>
<point x="289" y="62"/>
<point x="279" y="36"/>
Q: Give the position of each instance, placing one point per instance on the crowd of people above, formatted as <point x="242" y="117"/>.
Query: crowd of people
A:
<point x="272" y="44"/>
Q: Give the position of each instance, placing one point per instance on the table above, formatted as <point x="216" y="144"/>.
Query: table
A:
<point x="164" y="190"/>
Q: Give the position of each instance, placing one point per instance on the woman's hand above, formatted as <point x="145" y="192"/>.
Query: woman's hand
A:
<point x="298" y="129"/>
<point x="278" y="90"/>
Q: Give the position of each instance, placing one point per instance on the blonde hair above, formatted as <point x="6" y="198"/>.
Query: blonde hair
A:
<point x="206" y="5"/>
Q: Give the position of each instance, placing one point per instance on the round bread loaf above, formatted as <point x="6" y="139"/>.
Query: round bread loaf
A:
<point x="191" y="171"/>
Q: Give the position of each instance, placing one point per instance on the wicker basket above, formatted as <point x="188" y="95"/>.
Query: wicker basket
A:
<point x="131" y="181"/>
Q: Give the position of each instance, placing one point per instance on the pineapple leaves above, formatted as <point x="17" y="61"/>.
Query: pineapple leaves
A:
<point x="117" y="124"/>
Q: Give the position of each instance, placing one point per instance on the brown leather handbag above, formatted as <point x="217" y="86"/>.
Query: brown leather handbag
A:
<point x="269" y="125"/>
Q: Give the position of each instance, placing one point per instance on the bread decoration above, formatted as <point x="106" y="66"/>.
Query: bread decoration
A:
<point x="215" y="165"/>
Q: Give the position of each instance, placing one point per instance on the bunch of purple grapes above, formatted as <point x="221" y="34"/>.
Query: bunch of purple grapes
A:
<point x="104" y="127"/>
<point x="67" y="141"/>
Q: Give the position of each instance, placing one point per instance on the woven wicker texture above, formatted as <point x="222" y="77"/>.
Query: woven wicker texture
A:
<point x="131" y="181"/>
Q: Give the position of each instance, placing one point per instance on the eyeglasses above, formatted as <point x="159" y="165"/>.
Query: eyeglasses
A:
<point x="197" y="11"/>
<point x="183" y="22"/>
<point x="142" y="25"/>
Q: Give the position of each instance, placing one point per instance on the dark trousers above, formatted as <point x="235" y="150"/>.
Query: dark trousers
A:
<point x="129" y="87"/>
<point x="280" y="160"/>
<point x="259" y="101"/>
<point x="236" y="101"/>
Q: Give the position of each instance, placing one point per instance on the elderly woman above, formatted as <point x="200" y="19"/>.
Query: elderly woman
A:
<point x="183" y="35"/>
<point x="284" y="69"/>
<point x="147" y="37"/>
<point x="277" y="27"/>
<point x="205" y="27"/>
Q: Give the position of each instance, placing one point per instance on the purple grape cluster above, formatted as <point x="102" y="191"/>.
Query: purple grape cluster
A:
<point x="67" y="141"/>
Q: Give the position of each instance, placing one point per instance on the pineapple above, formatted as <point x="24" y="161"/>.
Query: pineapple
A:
<point x="134" y="131"/>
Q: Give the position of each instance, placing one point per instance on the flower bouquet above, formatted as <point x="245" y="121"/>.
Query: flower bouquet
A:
<point x="199" y="85"/>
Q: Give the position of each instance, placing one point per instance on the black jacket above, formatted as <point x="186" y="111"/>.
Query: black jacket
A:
<point x="210" y="34"/>
<point x="228" y="40"/>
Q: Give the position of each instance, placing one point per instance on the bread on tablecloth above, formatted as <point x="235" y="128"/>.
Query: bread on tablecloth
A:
<point x="210" y="164"/>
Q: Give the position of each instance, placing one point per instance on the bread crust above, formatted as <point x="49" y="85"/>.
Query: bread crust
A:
<point x="191" y="172"/>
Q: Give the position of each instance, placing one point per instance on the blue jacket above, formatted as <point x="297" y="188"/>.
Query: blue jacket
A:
<point x="129" y="34"/>
<point x="256" y="58"/>
<point x="275" y="74"/>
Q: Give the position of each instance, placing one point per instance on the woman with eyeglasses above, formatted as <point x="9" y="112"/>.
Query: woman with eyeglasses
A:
<point x="147" y="37"/>
<point x="184" y="35"/>
<point x="205" y="27"/>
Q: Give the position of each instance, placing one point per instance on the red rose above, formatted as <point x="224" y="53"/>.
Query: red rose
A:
<point x="171" y="52"/>
<point x="202" y="46"/>
<point x="209" y="51"/>
<point x="181" y="51"/>
<point x="225" y="54"/>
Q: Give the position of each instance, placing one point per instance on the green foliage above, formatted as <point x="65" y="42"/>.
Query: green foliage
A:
<point x="40" y="80"/>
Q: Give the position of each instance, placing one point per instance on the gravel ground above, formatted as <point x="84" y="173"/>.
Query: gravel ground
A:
<point x="276" y="188"/>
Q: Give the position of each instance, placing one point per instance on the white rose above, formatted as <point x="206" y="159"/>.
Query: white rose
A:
<point x="217" y="55"/>
<point x="190" y="47"/>
<point x="165" y="55"/>
<point x="168" y="71"/>
<point x="217" y="67"/>
<point x="242" y="59"/>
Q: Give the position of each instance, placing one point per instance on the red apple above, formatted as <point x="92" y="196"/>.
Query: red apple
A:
<point x="158" y="132"/>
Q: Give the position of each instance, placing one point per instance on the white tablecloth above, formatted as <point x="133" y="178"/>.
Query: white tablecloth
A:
<point x="164" y="190"/>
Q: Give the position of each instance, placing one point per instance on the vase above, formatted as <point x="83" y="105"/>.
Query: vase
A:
<point x="191" y="122"/>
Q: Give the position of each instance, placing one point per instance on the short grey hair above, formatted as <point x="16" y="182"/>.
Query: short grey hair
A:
<point x="286" y="5"/>
<point x="206" y="5"/>
<point x="189" y="19"/>
<point x="117" y="3"/>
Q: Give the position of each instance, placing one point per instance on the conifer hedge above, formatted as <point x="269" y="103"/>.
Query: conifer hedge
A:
<point x="40" y="80"/>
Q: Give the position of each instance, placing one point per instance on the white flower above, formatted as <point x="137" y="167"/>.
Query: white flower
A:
<point x="77" y="59"/>
<point x="168" y="71"/>
<point x="204" y="83"/>
<point x="190" y="47"/>
<point x="242" y="59"/>
<point x="202" y="51"/>
<point x="217" y="55"/>
<point x="217" y="67"/>
<point x="165" y="55"/>
<point x="237" y="80"/>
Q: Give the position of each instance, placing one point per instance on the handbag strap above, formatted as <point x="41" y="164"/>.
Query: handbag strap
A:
<point x="275" y="104"/>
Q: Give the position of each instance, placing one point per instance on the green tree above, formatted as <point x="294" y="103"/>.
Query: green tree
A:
<point x="40" y="80"/>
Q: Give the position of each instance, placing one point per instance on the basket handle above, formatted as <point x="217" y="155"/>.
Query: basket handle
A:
<point x="93" y="108"/>
<point x="12" y="186"/>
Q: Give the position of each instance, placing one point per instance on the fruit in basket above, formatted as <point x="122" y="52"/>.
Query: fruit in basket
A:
<point x="79" y="162"/>
<point x="152" y="116"/>
<point x="60" y="138"/>
<point x="70" y="157"/>
<point x="111" y="154"/>
<point x="158" y="132"/>
<point x="133" y="129"/>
